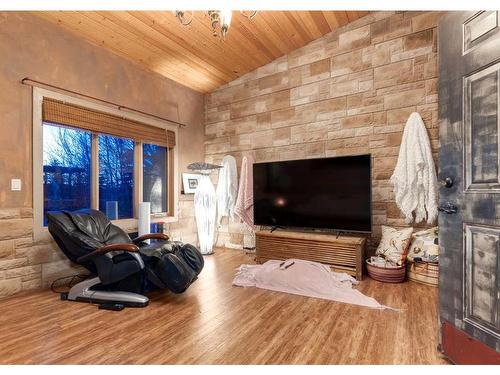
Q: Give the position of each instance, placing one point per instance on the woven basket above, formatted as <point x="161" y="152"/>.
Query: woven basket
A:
<point x="386" y="275"/>
<point x="424" y="273"/>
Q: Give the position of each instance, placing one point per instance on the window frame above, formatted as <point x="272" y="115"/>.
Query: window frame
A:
<point x="169" y="166"/>
<point x="39" y="231"/>
<point x="96" y="158"/>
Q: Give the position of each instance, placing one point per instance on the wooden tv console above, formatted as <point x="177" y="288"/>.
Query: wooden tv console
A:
<point x="344" y="253"/>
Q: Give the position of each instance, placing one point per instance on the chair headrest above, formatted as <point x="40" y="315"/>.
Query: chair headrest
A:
<point x="81" y="232"/>
<point x="93" y="223"/>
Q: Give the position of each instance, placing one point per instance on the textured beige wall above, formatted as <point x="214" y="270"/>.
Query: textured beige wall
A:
<point x="32" y="47"/>
<point x="349" y="92"/>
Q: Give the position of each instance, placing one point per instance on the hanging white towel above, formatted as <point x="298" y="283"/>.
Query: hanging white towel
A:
<point x="414" y="178"/>
<point x="244" y="203"/>
<point x="227" y="188"/>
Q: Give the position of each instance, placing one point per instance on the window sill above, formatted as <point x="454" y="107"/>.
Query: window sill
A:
<point x="130" y="225"/>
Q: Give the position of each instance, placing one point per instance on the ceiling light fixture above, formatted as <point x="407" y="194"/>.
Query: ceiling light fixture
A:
<point x="220" y="20"/>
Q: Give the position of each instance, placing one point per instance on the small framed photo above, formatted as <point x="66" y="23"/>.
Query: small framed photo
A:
<point x="190" y="182"/>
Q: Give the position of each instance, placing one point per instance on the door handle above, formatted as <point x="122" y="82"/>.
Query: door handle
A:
<point x="448" y="208"/>
<point x="447" y="182"/>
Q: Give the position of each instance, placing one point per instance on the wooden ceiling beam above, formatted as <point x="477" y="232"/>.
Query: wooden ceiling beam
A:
<point x="126" y="45"/>
<point x="342" y="17"/>
<point x="293" y="28"/>
<point x="331" y="18"/>
<point x="309" y="24"/>
<point x="160" y="58"/>
<point x="260" y="43"/>
<point x="235" y="40"/>
<point x="191" y="55"/>
<point x="223" y="53"/>
<point x="271" y="19"/>
<point x="271" y="33"/>
<point x="320" y="22"/>
<point x="135" y="26"/>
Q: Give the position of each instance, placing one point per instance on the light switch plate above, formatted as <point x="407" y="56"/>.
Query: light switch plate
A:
<point x="15" y="184"/>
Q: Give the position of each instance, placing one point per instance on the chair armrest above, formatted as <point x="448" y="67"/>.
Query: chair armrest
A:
<point x="149" y="236"/>
<point x="106" y="249"/>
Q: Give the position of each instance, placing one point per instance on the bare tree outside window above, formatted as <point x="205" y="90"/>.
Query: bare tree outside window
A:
<point x="66" y="168"/>
<point x="116" y="176"/>
<point x="67" y="172"/>
<point x="154" y="180"/>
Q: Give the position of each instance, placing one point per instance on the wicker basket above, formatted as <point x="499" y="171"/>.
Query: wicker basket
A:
<point x="424" y="273"/>
<point x="386" y="275"/>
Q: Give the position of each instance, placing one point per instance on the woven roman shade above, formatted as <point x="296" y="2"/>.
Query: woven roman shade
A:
<point x="62" y="113"/>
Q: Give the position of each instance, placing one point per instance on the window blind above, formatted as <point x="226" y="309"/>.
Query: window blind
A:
<point x="58" y="112"/>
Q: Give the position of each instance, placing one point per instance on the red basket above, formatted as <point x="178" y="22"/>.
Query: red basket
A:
<point x="386" y="275"/>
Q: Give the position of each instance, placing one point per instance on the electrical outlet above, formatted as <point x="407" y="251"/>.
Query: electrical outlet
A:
<point x="15" y="184"/>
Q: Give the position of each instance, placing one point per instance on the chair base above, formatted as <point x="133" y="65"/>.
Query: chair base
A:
<point x="82" y="292"/>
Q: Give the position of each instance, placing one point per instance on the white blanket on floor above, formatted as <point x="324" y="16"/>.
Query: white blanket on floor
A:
<point x="304" y="278"/>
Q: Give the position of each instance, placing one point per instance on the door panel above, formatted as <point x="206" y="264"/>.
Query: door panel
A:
<point x="469" y="123"/>
<point x="481" y="127"/>
<point x="482" y="277"/>
<point x="479" y="28"/>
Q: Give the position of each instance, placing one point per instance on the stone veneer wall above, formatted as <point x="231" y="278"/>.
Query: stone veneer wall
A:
<point x="32" y="47"/>
<point x="349" y="92"/>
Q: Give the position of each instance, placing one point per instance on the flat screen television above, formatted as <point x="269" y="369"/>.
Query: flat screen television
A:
<point x="327" y="193"/>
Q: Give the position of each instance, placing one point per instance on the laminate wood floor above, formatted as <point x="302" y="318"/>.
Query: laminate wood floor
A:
<point x="215" y="323"/>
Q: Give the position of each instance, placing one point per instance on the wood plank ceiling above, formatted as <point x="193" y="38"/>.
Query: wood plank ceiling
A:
<point x="190" y="54"/>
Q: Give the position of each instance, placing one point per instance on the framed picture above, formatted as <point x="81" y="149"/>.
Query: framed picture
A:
<point x="190" y="182"/>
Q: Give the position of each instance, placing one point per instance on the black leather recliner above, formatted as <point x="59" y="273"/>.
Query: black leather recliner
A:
<point x="124" y="268"/>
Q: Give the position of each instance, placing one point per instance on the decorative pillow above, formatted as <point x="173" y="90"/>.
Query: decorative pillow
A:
<point x="424" y="244"/>
<point x="394" y="244"/>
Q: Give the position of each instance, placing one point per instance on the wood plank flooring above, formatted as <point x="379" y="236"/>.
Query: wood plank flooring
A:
<point x="215" y="323"/>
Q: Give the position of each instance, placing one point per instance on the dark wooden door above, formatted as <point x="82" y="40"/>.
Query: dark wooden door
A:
<point x="469" y="122"/>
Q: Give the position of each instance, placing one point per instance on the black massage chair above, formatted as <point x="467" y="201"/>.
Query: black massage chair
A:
<point x="124" y="269"/>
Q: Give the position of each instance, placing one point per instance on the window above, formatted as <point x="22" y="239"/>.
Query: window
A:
<point x="154" y="178"/>
<point x="66" y="169"/>
<point x="86" y="155"/>
<point x="116" y="177"/>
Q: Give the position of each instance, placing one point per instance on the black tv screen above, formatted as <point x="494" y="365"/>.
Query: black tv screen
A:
<point x="328" y="193"/>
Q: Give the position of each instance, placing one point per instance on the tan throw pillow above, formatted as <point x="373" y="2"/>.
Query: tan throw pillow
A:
<point x="424" y="245"/>
<point x="394" y="244"/>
